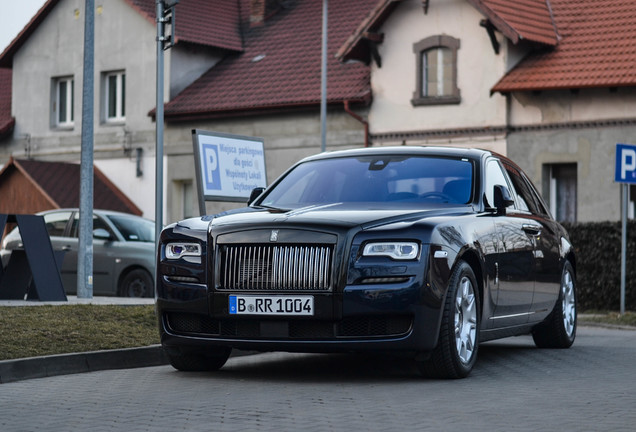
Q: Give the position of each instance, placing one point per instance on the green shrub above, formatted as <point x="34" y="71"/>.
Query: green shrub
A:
<point x="598" y="264"/>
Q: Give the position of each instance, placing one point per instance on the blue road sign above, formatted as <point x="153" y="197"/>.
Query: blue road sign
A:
<point x="625" y="163"/>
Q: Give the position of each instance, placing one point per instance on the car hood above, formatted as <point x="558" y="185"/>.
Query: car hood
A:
<point x="340" y="215"/>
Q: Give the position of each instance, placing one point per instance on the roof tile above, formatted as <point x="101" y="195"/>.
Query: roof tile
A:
<point x="204" y="22"/>
<point x="280" y="65"/>
<point x="61" y="182"/>
<point x="6" y="120"/>
<point x="597" y="49"/>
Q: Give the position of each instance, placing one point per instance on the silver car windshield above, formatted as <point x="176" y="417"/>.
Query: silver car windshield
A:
<point x="379" y="181"/>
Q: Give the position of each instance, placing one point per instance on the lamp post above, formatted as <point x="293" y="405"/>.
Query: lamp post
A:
<point x="165" y="15"/>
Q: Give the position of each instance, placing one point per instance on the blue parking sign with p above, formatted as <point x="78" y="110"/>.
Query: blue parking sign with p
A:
<point x="625" y="163"/>
<point x="211" y="166"/>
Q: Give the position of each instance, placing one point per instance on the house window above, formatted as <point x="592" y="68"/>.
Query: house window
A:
<point x="559" y="188"/>
<point x="63" y="106"/>
<point x="436" y="71"/>
<point x="114" y="84"/>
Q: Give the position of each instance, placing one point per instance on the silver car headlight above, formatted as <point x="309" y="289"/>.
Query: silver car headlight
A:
<point x="178" y="250"/>
<point x="398" y="250"/>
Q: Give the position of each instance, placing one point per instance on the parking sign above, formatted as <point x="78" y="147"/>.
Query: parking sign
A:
<point x="227" y="166"/>
<point x="625" y="163"/>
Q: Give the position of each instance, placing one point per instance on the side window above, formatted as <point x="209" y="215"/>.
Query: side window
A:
<point x="97" y="223"/>
<point x="527" y="197"/>
<point x="56" y="223"/>
<point x="494" y="176"/>
<point x="436" y="71"/>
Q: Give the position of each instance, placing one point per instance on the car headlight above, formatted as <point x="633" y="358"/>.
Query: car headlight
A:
<point x="395" y="250"/>
<point x="178" y="250"/>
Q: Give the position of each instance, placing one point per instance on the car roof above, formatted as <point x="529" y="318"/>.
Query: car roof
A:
<point x="436" y="151"/>
<point x="95" y="211"/>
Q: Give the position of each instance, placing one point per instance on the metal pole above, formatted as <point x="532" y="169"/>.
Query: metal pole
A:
<point x="85" y="251"/>
<point x="625" y="199"/>
<point x="159" y="126"/>
<point x="323" y="79"/>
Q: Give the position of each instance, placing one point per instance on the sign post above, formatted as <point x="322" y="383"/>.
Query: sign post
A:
<point x="227" y="166"/>
<point x="625" y="174"/>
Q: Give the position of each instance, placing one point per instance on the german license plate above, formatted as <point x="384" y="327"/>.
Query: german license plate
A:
<point x="271" y="305"/>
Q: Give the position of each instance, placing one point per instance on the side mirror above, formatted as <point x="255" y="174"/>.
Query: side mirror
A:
<point x="503" y="200"/>
<point x="256" y="192"/>
<point x="101" y="234"/>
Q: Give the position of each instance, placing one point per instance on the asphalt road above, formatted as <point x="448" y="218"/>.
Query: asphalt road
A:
<point x="514" y="387"/>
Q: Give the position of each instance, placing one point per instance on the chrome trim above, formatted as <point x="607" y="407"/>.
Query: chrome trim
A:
<point x="275" y="267"/>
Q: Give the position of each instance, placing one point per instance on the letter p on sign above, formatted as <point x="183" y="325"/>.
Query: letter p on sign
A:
<point x="625" y="163"/>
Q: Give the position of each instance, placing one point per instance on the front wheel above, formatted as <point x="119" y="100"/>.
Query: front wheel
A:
<point x="456" y="350"/>
<point x="558" y="330"/>
<point x="136" y="283"/>
<point x="193" y="361"/>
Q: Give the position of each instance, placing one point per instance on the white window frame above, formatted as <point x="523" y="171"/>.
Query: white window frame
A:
<point x="68" y="97"/>
<point x="119" y="115"/>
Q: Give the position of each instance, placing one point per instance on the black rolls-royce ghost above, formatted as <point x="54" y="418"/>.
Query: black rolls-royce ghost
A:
<point x="419" y="251"/>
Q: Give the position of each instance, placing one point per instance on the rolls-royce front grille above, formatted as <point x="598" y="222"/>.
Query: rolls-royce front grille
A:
<point x="275" y="268"/>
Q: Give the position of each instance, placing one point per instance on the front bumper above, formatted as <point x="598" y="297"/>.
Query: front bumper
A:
<point x="359" y="318"/>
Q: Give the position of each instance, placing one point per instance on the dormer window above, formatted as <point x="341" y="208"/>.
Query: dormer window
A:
<point x="436" y="71"/>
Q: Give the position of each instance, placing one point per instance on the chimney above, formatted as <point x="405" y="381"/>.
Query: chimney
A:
<point x="257" y="13"/>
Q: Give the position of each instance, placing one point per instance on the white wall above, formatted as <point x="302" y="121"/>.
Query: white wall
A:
<point x="478" y="70"/>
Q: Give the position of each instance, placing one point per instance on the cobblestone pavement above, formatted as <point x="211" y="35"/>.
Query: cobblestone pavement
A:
<point x="514" y="387"/>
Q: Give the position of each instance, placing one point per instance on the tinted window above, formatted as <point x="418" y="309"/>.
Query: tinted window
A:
<point x="134" y="228"/>
<point x="526" y="195"/>
<point x="377" y="180"/>
<point x="56" y="223"/>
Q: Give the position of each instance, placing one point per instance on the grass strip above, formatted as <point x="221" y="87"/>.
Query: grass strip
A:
<point x="31" y="331"/>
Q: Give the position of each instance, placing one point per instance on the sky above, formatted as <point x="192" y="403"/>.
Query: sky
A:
<point x="14" y="16"/>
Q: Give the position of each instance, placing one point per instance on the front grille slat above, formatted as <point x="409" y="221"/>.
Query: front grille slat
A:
<point x="272" y="268"/>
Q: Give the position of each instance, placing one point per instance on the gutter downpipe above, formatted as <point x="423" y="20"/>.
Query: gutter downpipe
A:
<point x="361" y="120"/>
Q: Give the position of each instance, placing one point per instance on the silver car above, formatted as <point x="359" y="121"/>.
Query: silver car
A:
<point x="123" y="251"/>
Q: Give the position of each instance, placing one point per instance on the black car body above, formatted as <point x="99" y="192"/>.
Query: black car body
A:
<point x="418" y="251"/>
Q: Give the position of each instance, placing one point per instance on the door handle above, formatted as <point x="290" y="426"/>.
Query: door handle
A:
<point x="66" y="248"/>
<point x="531" y="229"/>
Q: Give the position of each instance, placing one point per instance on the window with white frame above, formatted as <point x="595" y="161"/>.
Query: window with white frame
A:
<point x="559" y="188"/>
<point x="436" y="71"/>
<point x="63" y="105"/>
<point x="114" y="85"/>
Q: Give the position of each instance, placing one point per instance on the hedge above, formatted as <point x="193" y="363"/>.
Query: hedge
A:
<point x="597" y="247"/>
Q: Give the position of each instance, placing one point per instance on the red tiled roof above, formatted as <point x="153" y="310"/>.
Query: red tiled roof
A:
<point x="520" y="19"/>
<point x="597" y="49"/>
<point x="280" y="65"/>
<point x="204" y="22"/>
<point x="6" y="120"/>
<point x="60" y="181"/>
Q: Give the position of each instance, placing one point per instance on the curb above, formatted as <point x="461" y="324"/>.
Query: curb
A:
<point x="66" y="364"/>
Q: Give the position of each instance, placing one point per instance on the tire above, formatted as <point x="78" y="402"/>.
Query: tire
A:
<point x="199" y="362"/>
<point x="136" y="283"/>
<point x="558" y="330"/>
<point x="456" y="350"/>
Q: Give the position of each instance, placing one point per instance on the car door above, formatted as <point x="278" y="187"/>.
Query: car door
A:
<point x="103" y="256"/>
<point x="514" y="256"/>
<point x="546" y="243"/>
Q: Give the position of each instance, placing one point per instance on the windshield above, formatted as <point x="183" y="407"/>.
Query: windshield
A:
<point x="375" y="180"/>
<point x="134" y="228"/>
